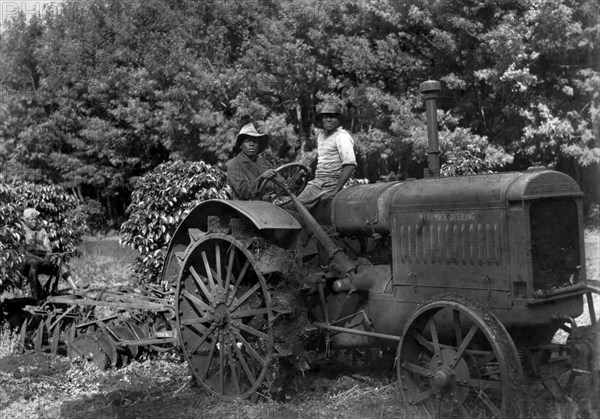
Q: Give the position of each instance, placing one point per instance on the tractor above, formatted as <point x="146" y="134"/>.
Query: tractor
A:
<point x="465" y="279"/>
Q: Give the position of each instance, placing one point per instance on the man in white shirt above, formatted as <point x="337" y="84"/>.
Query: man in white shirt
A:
<point x="336" y="159"/>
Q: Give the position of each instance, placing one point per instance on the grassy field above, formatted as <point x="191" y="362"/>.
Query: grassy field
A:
<point x="41" y="386"/>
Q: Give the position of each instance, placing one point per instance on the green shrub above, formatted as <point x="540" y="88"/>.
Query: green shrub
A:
<point x="64" y="221"/>
<point x="63" y="217"/>
<point x="161" y="200"/>
<point x="11" y="235"/>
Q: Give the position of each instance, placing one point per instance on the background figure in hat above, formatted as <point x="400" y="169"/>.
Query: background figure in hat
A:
<point x="38" y="252"/>
<point x="336" y="159"/>
<point x="248" y="171"/>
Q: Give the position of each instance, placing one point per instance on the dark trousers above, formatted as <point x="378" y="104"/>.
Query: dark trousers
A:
<point x="34" y="266"/>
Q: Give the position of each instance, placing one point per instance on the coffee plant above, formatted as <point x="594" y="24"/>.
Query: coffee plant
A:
<point x="60" y="213"/>
<point x="161" y="200"/>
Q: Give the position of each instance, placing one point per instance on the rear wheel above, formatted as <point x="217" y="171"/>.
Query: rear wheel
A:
<point x="457" y="360"/>
<point x="225" y="316"/>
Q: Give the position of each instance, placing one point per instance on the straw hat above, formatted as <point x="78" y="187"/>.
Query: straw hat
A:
<point x="250" y="131"/>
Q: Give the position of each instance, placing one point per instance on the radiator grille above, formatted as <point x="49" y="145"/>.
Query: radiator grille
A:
<point x="554" y="242"/>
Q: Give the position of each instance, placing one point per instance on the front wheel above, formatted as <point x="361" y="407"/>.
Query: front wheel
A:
<point x="457" y="359"/>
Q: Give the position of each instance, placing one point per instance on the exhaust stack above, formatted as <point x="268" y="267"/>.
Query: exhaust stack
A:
<point x="431" y="91"/>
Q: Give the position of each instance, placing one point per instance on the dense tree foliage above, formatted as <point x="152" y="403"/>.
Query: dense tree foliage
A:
<point x="97" y="93"/>
<point x="162" y="199"/>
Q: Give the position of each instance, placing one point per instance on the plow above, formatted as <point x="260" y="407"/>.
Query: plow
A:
<point x="107" y="328"/>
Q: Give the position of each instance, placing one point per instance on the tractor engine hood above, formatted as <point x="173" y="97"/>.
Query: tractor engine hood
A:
<point x="366" y="209"/>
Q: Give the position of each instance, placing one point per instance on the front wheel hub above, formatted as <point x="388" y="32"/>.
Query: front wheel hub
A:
<point x="446" y="377"/>
<point x="443" y="378"/>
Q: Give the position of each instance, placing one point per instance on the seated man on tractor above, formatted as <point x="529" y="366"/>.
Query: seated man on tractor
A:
<point x="248" y="171"/>
<point x="38" y="254"/>
<point x="335" y="158"/>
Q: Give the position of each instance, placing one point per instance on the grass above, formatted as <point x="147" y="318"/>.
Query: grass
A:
<point x="39" y="385"/>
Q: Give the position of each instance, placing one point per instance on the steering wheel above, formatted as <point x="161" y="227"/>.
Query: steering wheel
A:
<point x="292" y="177"/>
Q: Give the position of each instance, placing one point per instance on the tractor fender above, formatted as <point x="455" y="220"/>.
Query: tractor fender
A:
<point x="264" y="216"/>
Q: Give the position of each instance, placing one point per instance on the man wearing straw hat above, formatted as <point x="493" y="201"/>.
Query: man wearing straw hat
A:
<point x="336" y="159"/>
<point x="248" y="172"/>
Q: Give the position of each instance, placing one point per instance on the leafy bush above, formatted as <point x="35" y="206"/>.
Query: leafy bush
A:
<point x="63" y="221"/>
<point x="11" y="235"/>
<point x="161" y="200"/>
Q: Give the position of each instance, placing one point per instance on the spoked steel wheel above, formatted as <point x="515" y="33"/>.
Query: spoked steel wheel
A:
<point x="225" y="316"/>
<point x="458" y="360"/>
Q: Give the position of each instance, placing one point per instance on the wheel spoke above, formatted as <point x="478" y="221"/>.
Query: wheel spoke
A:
<point x="239" y="281"/>
<point x="229" y="272"/>
<point x="252" y="331"/>
<point x="434" y="338"/>
<point x="249" y="313"/>
<point x="496" y="412"/>
<point x="486" y="359"/>
<point x="464" y="344"/>
<point x="245" y="366"/>
<point x="463" y="410"/>
<point x="423" y="395"/>
<point x="209" y="296"/>
<point x="250" y="349"/>
<point x="211" y="353"/>
<point x="244" y="297"/>
<point x="423" y="341"/>
<point x="197" y="331"/>
<point x="200" y="305"/>
<point x="483" y="384"/>
<point x="218" y="277"/>
<point x="209" y="275"/>
<point x="221" y="364"/>
<point x="195" y="320"/>
<point x="232" y="366"/>
<point x="204" y="337"/>
<point x="457" y="327"/>
<point x="416" y="369"/>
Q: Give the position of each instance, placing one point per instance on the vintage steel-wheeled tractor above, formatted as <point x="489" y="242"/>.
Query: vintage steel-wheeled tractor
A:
<point x="467" y="278"/>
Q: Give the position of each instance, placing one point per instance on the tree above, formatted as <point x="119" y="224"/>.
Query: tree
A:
<point x="98" y="93"/>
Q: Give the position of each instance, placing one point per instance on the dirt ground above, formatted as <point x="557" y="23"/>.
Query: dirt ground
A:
<point x="35" y="385"/>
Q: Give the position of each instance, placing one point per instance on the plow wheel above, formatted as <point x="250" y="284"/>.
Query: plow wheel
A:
<point x="125" y="352"/>
<point x="225" y="316"/>
<point x="458" y="360"/>
<point x="108" y="347"/>
<point x="88" y="349"/>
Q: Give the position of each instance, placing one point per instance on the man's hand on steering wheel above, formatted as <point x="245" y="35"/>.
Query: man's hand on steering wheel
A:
<point x="268" y="174"/>
<point x="291" y="177"/>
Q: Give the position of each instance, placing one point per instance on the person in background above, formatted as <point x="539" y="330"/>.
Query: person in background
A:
<point x="335" y="158"/>
<point x="248" y="172"/>
<point x="38" y="254"/>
